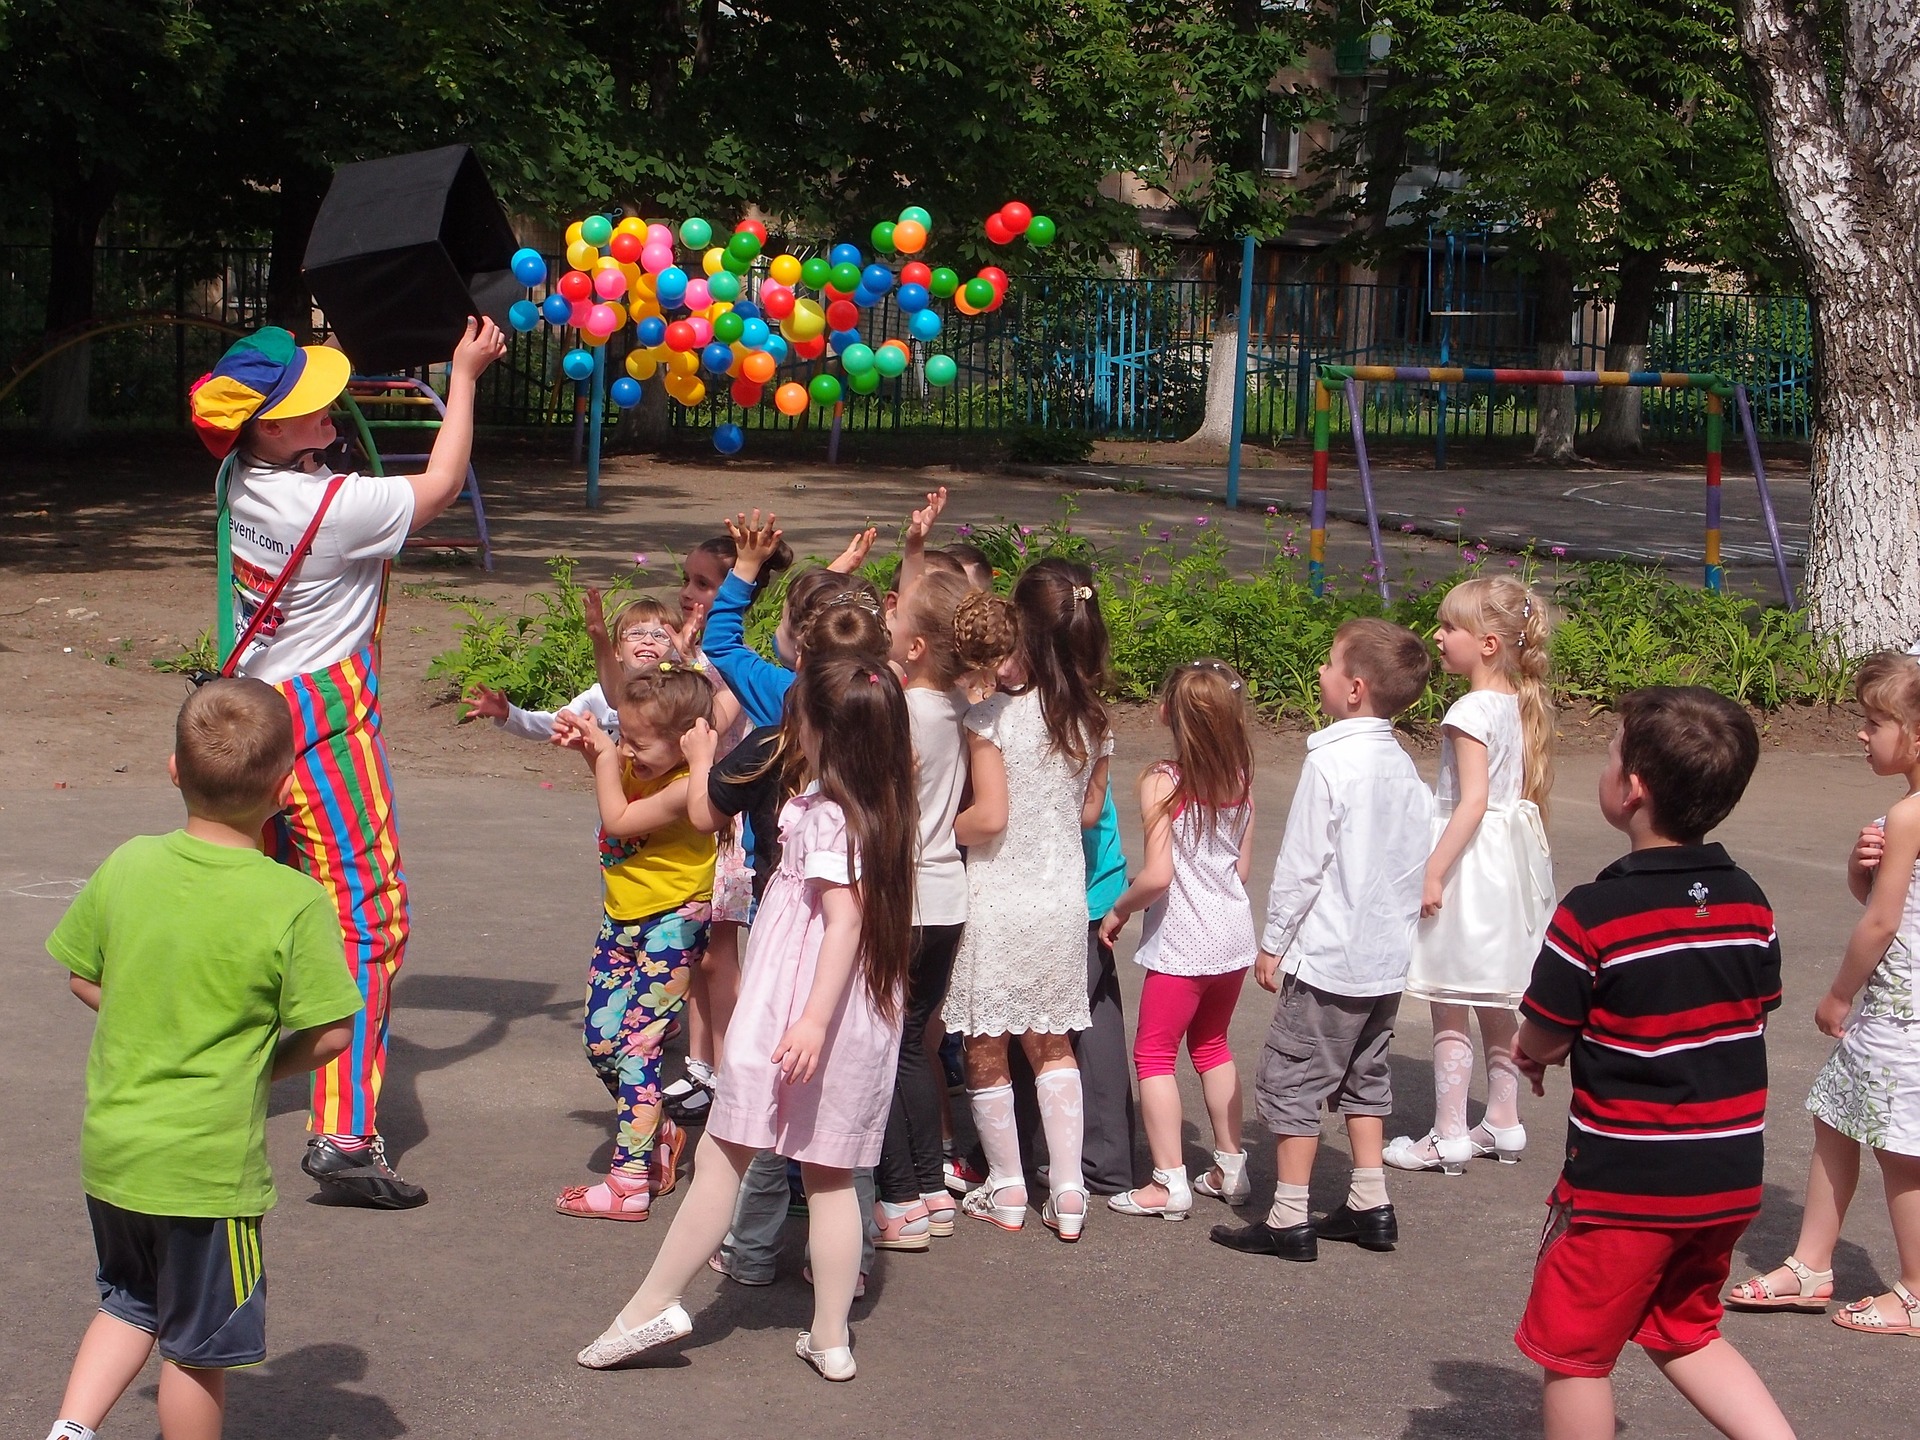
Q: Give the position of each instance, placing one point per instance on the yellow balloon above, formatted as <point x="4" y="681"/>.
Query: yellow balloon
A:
<point x="686" y="362"/>
<point x="587" y="337"/>
<point x="695" y="392"/>
<point x="573" y="233"/>
<point x="581" y="255"/>
<point x="632" y="225"/>
<point x="619" y="311"/>
<point x="712" y="261"/>
<point x="806" y="321"/>
<point x="718" y="308"/>
<point x="661" y="355"/>
<point x="785" y="270"/>
<point x="641" y="366"/>
<point x="645" y="286"/>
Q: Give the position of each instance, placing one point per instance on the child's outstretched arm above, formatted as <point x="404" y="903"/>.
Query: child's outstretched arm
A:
<point x="1876" y="929"/>
<point x="1470" y="764"/>
<point x="799" y="1051"/>
<point x="913" y="547"/>
<point x="606" y="658"/>
<point x="854" y="556"/>
<point x="1299" y="871"/>
<point x="300" y="1051"/>
<point x="1156" y="872"/>
<point x="756" y="682"/>
<point x="446" y="472"/>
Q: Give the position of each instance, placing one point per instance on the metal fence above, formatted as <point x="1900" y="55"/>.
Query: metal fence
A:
<point x="1104" y="355"/>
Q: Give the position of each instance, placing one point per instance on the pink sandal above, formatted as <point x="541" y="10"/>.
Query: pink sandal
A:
<point x="1865" y="1316"/>
<point x="1759" y="1294"/>
<point x="617" y="1197"/>
<point x="663" y="1170"/>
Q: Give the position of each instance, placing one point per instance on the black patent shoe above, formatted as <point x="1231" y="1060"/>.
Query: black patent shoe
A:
<point x="1296" y="1242"/>
<point x="363" y="1177"/>
<point x="1374" y="1229"/>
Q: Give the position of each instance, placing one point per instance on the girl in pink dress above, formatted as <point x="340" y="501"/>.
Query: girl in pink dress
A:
<point x="811" y="1053"/>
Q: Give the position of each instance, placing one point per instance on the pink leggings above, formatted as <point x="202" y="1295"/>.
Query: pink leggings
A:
<point x="1197" y="1006"/>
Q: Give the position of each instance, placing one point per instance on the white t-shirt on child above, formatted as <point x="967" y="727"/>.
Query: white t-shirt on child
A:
<point x="331" y="605"/>
<point x="1493" y="718"/>
<point x="940" y="777"/>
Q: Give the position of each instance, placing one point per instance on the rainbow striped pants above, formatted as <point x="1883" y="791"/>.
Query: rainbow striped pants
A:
<point x="339" y="828"/>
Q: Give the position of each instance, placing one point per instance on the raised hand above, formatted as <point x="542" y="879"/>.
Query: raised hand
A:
<point x="686" y="640"/>
<point x="855" y="555"/>
<point x="754" y="543"/>
<point x="921" y="522"/>
<point x="484" y="704"/>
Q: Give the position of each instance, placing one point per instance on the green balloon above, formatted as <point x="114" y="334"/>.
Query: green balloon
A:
<point x="944" y="282"/>
<point x="695" y="232"/>
<point x="1040" y="231"/>
<point x="856" y="359"/>
<point x="865" y="383"/>
<point x="825" y="389"/>
<point x="814" y="272"/>
<point x="941" y="370"/>
<point x="979" y="293"/>
<point x="845" y="277"/>
<point x="918" y="216"/>
<point x="728" y="327"/>
<point x="596" y="229"/>
<point x="735" y="264"/>
<point x="744" y="244"/>
<point x="883" y="237"/>
<point x="723" y="285"/>
<point x="890" y="360"/>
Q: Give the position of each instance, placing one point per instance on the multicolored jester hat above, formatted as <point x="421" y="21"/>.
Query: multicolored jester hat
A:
<point x="744" y="317"/>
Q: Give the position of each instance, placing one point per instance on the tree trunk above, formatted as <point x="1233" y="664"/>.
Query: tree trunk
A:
<point x="1223" y="370"/>
<point x="1619" y="430"/>
<point x="78" y="202"/>
<point x="1849" y="178"/>
<point x="289" y="300"/>
<point x="647" y="426"/>
<point x="1554" y="412"/>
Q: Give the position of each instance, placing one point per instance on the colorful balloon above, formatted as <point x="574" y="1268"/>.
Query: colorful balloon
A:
<point x="753" y="332"/>
<point x="856" y="359"/>
<point x="758" y="367"/>
<point x="979" y="292"/>
<point x="942" y="283"/>
<point x="725" y="285"/>
<point x="1040" y="231"/>
<point x="814" y="273"/>
<point x="655" y="257"/>
<point x="577" y="315"/>
<point x="658" y="234"/>
<point x="695" y="232"/>
<point x="842" y="315"/>
<point x="941" y="370"/>
<point x="890" y="360"/>
<point x="865" y="383"/>
<point x="652" y="331"/>
<point x="671" y="285"/>
<point x="581" y="255"/>
<point x="556" y="309"/>
<point x="702" y="329"/>
<point x="679" y="336"/>
<point x="577" y="364"/>
<point x="915" y="272"/>
<point x="777" y="301"/>
<point x="825" y="389"/>
<point x="753" y="228"/>
<point x="778" y="348"/>
<point x="602" y="321"/>
<point x="743" y="245"/>
<point x="625" y="246"/>
<point x="596" y="230"/>
<point x="529" y="267"/>
<point x="698" y="296"/>
<point x="807" y="320"/>
<point x="914" y="215"/>
<point x="610" y="283"/>
<point x="925" y="324"/>
<point x="692" y="394"/>
<point x="909" y="237"/>
<point x="523" y="315"/>
<point x="844" y="254"/>
<point x="1015" y="216"/>
<point x="882" y="237"/>
<point x="789" y="399"/>
<point x="728" y="327"/>
<point x="784" y="270"/>
<point x="911" y="298"/>
<point x="845" y="276"/>
<point x="728" y="438"/>
<point x="995" y="277"/>
<point x="877" y="278"/>
<point x="839" y="340"/>
<point x="997" y="230"/>
<point x="717" y="357"/>
<point x="810" y="349"/>
<point x="624" y="392"/>
<point x="745" y="393"/>
<point x="641" y="366"/>
<point x="573" y="233"/>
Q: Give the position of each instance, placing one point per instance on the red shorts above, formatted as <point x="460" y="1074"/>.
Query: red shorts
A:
<point x="1597" y="1287"/>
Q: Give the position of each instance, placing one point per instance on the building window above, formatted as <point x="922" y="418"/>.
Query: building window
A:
<point x="1279" y="148"/>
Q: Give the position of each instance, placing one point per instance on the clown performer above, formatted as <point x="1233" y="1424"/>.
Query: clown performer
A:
<point x="303" y="576"/>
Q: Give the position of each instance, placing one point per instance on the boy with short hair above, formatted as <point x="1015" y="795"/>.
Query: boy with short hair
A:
<point x="197" y="951"/>
<point x="1655" y="980"/>
<point x="1345" y="897"/>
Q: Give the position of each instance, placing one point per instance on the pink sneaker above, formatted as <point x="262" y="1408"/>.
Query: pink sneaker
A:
<point x="941" y="1211"/>
<point x="906" y="1231"/>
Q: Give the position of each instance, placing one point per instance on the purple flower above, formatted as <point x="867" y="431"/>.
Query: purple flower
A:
<point x="1199" y="519"/>
<point x="1559" y="552"/>
<point x="1407" y="528"/>
<point x="1513" y="564"/>
<point x="963" y="529"/>
<point x="640" y="560"/>
<point x="1273" y="509"/>
<point x="1026" y="529"/>
<point x="1461" y="510"/>
<point x="1166" y="534"/>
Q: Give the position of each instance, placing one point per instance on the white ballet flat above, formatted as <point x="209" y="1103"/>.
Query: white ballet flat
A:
<point x="619" y="1344"/>
<point x="1235" y="1188"/>
<point x="1508" y="1142"/>
<point x="1178" y="1205"/>
<point x="833" y="1363"/>
<point x="1449" y="1156"/>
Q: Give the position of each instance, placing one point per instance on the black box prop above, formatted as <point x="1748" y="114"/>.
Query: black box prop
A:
<point x="403" y="250"/>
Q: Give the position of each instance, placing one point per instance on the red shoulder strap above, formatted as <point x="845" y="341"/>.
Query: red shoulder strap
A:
<point x="300" y="550"/>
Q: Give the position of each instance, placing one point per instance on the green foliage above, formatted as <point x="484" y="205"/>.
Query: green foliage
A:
<point x="199" y="655"/>
<point x="1038" y="445"/>
<point x="541" y="658"/>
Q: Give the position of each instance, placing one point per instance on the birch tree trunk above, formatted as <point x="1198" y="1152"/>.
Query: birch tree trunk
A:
<point x="1848" y="168"/>
<point x="1216" y="425"/>
<point x="1619" y="429"/>
<point x="1554" y="412"/>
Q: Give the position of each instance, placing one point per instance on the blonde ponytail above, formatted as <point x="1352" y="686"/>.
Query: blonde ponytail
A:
<point x="1507" y="609"/>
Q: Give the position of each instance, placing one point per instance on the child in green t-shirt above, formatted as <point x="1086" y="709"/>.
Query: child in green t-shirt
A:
<point x="198" y="951"/>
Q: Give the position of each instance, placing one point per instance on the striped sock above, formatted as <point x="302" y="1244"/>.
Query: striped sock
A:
<point x="348" y="1144"/>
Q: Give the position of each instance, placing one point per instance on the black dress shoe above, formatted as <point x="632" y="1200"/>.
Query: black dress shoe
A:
<point x="360" y="1177"/>
<point x="1296" y="1242"/>
<point x="1374" y="1229"/>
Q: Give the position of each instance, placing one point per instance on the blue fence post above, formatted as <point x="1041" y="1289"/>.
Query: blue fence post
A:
<point x="1240" y="371"/>
<point x="596" y="401"/>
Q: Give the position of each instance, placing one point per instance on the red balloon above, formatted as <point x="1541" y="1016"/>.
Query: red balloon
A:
<point x="758" y="230"/>
<point x="995" y="277"/>
<point x="626" y="247"/>
<point x="833" y="296"/>
<point x="1015" y="216"/>
<point x="581" y="310"/>
<point x="776" y="300"/>
<point x="916" y="273"/>
<point x="997" y="230"/>
<point x="681" y="336"/>
<point x="576" y="285"/>
<point x="810" y="349"/>
<point x="745" y="393"/>
<point x="842" y="315"/>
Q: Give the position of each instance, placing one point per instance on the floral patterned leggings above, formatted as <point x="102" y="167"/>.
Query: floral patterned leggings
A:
<point x="635" y="986"/>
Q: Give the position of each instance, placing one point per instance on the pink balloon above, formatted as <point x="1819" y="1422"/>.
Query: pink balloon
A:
<point x="609" y="284"/>
<point x="659" y="235"/>
<point x="601" y="320"/>
<point x="697" y="296"/>
<point x="655" y="256"/>
<point x="702" y="329"/>
<point x="581" y="309"/>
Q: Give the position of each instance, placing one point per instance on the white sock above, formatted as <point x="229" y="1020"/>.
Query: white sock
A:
<point x="1289" y="1206"/>
<point x="701" y="1071"/>
<point x="993" y="1121"/>
<point x="1367" y="1190"/>
<point x="1062" y="1116"/>
<point x="70" y="1430"/>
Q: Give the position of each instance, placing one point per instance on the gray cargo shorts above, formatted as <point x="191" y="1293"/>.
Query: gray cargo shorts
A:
<point x="1324" y="1049"/>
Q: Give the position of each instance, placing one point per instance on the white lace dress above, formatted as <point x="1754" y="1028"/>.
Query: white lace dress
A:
<point x="1023" y="958"/>
<point x="1869" y="1089"/>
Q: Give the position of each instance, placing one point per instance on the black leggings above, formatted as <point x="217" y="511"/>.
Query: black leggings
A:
<point x="910" y="1157"/>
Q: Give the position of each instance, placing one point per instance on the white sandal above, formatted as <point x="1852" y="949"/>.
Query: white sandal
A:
<point x="619" y="1344"/>
<point x="1234" y="1187"/>
<point x="1864" y="1315"/>
<point x="1507" y="1142"/>
<point x="1067" y="1224"/>
<point x="1177" y="1206"/>
<point x="982" y="1202"/>
<point x="1759" y="1294"/>
<point x="1429" y="1152"/>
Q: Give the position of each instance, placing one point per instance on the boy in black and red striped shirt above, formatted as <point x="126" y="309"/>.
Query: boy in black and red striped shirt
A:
<point x="1655" y="980"/>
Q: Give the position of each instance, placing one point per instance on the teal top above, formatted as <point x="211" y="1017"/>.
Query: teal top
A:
<point x="1106" y="861"/>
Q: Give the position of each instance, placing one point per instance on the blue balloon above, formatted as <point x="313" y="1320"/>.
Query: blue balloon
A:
<point x="754" y="333"/>
<point x="746" y="309"/>
<point x="625" y="392"/>
<point x="844" y="254"/>
<point x="728" y="439"/>
<point x="864" y="298"/>
<point x="717" y="357"/>
<point x="578" y="364"/>
<point x="777" y="347"/>
<point x="529" y="266"/>
<point x="671" y="285"/>
<point x="912" y="298"/>
<point x="652" y="331"/>
<point x="877" y="278"/>
<point x="557" y="309"/>
<point x="523" y="315"/>
<point x="925" y="324"/>
<point x="838" y="340"/>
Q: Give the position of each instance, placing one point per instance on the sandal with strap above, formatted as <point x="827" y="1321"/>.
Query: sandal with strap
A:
<point x="664" y="1168"/>
<point x="1758" y="1293"/>
<point x="983" y="1203"/>
<point x="1866" y="1317"/>
<point x="618" y="1197"/>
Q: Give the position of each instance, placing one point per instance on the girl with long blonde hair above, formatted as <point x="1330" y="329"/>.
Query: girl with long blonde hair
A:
<point x="1488" y="891"/>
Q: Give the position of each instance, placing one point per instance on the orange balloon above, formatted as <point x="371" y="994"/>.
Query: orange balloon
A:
<point x="790" y="399"/>
<point x="961" y="303"/>
<point x="759" y="367"/>
<point x="909" y="236"/>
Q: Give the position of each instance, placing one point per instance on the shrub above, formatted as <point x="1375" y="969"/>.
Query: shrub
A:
<point x="1041" y="445"/>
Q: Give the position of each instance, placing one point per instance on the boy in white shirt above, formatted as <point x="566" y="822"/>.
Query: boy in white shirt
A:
<point x="1345" y="896"/>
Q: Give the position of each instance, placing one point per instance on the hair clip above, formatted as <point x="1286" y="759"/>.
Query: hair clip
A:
<point x="855" y="597"/>
<point x="872" y="679"/>
<point x="1083" y="592"/>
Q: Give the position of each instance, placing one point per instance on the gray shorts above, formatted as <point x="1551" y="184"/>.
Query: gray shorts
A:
<point x="1324" y="1049"/>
